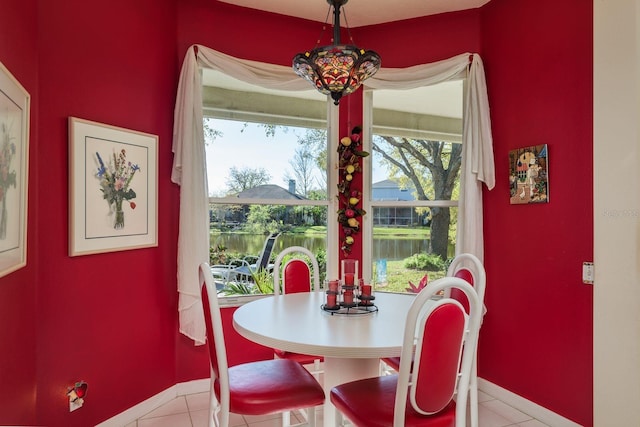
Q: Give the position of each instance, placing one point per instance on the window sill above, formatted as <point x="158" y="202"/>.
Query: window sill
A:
<point x="239" y="300"/>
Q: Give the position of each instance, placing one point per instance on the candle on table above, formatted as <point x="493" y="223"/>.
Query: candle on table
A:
<point x="333" y="286"/>
<point x="349" y="266"/>
<point x="366" y="290"/>
<point x="348" y="279"/>
<point x="348" y="297"/>
<point x="331" y="300"/>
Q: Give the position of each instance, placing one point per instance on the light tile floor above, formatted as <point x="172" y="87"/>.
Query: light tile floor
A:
<point x="192" y="411"/>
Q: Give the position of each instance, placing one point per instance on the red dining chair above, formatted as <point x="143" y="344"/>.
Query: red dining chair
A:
<point x="254" y="388"/>
<point x="444" y="338"/>
<point x="469" y="268"/>
<point x="296" y="277"/>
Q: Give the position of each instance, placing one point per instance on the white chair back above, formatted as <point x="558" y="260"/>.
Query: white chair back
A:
<point x="217" y="349"/>
<point x="465" y="339"/>
<point x="277" y="267"/>
<point x="460" y="266"/>
<point x="472" y="264"/>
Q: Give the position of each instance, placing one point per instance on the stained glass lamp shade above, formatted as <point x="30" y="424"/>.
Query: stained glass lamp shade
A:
<point x="336" y="70"/>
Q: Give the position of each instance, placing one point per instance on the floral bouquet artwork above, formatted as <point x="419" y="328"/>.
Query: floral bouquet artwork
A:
<point x="349" y="155"/>
<point x="7" y="176"/>
<point x="115" y="180"/>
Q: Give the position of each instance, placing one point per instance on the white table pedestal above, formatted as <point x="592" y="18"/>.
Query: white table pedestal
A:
<point x="339" y="370"/>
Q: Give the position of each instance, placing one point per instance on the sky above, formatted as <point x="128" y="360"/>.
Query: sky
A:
<point x="245" y="145"/>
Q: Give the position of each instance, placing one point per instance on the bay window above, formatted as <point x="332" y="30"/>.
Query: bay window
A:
<point x="189" y="171"/>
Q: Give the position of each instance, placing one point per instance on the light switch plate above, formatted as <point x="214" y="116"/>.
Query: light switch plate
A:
<point x="587" y="273"/>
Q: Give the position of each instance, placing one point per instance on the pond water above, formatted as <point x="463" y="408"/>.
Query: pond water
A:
<point x="389" y="248"/>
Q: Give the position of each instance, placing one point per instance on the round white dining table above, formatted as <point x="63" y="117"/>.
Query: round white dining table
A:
<point x="352" y="345"/>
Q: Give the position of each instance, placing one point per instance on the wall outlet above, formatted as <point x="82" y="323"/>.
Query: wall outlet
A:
<point x="587" y="273"/>
<point x="75" y="404"/>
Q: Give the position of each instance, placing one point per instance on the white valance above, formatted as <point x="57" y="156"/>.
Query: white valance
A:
<point x="189" y="167"/>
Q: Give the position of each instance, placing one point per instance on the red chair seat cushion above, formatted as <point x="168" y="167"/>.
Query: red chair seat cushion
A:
<point x="270" y="386"/>
<point x="370" y="403"/>
<point x="304" y="359"/>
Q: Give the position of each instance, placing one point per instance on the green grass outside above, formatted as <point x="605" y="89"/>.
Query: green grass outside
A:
<point x="319" y="230"/>
<point x="398" y="276"/>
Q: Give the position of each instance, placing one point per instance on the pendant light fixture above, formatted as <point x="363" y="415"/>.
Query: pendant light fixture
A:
<point x="338" y="69"/>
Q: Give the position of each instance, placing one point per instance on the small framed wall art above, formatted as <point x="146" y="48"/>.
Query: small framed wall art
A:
<point x="14" y="172"/>
<point x="529" y="175"/>
<point x="113" y="188"/>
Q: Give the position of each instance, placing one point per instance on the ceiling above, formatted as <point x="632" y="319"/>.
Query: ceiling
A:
<point x="360" y="12"/>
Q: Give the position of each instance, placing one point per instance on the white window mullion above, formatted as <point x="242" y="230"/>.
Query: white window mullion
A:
<point x="367" y="223"/>
<point x="333" y="245"/>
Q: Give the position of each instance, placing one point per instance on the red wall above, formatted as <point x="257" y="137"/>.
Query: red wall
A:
<point x="243" y="33"/>
<point x="18" y="290"/>
<point x="108" y="319"/>
<point x="536" y="339"/>
<point x="422" y="40"/>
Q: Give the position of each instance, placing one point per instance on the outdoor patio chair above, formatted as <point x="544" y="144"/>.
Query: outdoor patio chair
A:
<point x="242" y="270"/>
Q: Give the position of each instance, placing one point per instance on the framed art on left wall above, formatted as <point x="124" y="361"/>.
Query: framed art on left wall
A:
<point x="14" y="172"/>
<point x="113" y="188"/>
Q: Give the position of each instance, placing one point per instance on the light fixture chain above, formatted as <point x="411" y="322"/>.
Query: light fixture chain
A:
<point x="346" y="22"/>
<point x="324" y="27"/>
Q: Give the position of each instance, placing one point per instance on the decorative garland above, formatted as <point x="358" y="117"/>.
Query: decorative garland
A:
<point x="349" y="197"/>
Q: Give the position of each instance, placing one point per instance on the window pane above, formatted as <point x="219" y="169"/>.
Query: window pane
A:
<point x="261" y="161"/>
<point x="403" y="254"/>
<point x="416" y="161"/>
<point x="266" y="167"/>
<point x="239" y="232"/>
<point x="415" y="169"/>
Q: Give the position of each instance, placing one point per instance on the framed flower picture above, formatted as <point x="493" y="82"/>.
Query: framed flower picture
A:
<point x="113" y="188"/>
<point x="14" y="172"/>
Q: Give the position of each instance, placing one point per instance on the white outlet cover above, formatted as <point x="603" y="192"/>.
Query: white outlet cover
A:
<point x="587" y="273"/>
<point x="75" y="404"/>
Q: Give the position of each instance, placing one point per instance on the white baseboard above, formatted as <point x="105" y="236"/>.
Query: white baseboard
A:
<point x="534" y="410"/>
<point x="154" y="402"/>
<point x="192" y="387"/>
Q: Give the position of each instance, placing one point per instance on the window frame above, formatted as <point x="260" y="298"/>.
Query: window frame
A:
<point x="369" y="204"/>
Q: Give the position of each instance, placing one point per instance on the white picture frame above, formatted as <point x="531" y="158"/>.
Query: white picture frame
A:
<point x="113" y="188"/>
<point x="14" y="172"/>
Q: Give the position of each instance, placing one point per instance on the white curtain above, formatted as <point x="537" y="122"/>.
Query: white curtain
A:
<point x="189" y="168"/>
